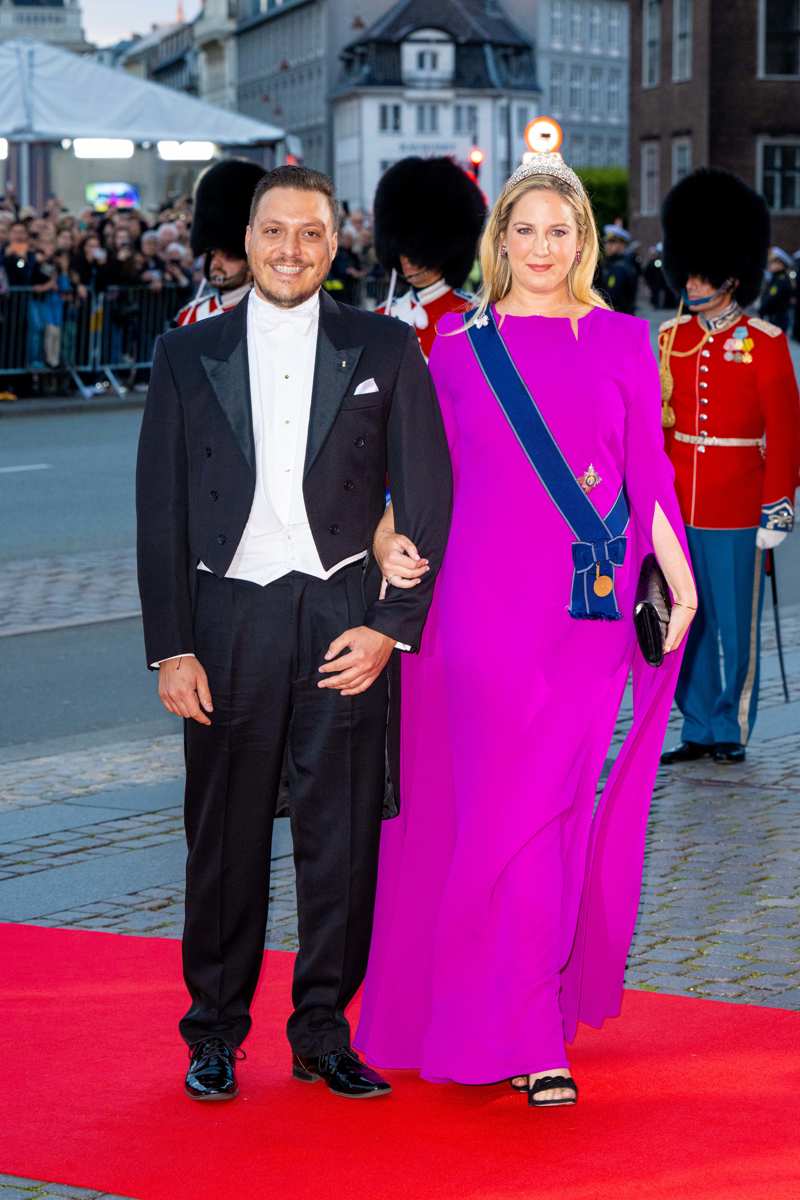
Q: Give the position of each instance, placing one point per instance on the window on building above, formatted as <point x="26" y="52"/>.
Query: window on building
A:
<point x="615" y="94"/>
<point x="615" y="29"/>
<point x="557" y="22"/>
<point x="556" y="88"/>
<point x="780" y="176"/>
<point x="595" y="103"/>
<point x="427" y="60"/>
<point x="523" y="117"/>
<point x="616" y="152"/>
<point x="650" y="181"/>
<point x="681" y="157"/>
<point x="576" y="24"/>
<point x="465" y="119"/>
<point x="781" y="24"/>
<point x="579" y="150"/>
<point x="576" y="88"/>
<point x="427" y="118"/>
<point x="682" y="13"/>
<point x="390" y="118"/>
<point x="596" y="155"/>
<point x="651" y="43"/>
<point x="595" y="28"/>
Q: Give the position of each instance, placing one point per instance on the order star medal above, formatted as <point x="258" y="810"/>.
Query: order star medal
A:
<point x="589" y="479"/>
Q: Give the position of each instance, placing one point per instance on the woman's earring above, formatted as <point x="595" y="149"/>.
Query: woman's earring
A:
<point x="578" y="256"/>
<point x="503" y="249"/>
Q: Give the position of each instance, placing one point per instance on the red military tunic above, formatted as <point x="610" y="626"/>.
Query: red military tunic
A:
<point x="210" y="304"/>
<point x="737" y="383"/>
<point x="425" y="308"/>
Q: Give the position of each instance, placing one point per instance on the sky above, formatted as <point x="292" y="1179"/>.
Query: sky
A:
<point x="106" y="21"/>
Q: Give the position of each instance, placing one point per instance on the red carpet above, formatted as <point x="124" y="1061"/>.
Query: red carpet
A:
<point x="92" y="1096"/>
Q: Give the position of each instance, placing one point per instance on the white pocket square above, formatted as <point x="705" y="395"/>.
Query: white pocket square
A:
<point x="369" y="385"/>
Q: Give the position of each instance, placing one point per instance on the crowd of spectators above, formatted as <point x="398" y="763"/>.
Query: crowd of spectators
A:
<point x="56" y="264"/>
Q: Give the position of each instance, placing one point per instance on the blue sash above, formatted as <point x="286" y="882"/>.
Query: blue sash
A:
<point x="600" y="545"/>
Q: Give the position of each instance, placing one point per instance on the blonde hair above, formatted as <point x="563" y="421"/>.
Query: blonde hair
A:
<point x="495" y="268"/>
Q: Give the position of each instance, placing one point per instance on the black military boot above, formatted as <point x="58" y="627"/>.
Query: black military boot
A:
<point x="685" y="752"/>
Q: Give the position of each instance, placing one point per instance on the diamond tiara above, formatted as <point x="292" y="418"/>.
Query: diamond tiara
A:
<point x="545" y="164"/>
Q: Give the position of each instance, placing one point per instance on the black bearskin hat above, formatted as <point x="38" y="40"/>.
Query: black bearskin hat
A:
<point x="717" y="227"/>
<point x="429" y="210"/>
<point x="221" y="211"/>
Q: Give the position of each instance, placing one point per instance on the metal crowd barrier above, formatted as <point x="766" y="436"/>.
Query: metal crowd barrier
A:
<point x="103" y="336"/>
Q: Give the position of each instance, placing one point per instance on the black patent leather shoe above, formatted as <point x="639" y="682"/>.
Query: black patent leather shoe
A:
<point x="685" y="752"/>
<point x="212" y="1070"/>
<point x="344" y="1073"/>
<point x="729" y="752"/>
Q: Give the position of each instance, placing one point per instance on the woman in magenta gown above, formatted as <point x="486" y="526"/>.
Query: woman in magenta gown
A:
<point x="506" y="903"/>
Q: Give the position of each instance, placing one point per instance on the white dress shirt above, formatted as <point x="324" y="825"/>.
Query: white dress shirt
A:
<point x="277" y="539"/>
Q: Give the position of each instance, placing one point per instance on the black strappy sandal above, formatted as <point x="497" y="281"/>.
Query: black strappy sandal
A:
<point x="548" y="1083"/>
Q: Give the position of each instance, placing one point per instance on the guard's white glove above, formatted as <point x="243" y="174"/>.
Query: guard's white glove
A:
<point x="768" y="539"/>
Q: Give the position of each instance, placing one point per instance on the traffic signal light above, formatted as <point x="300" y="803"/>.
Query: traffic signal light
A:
<point x="476" y="157"/>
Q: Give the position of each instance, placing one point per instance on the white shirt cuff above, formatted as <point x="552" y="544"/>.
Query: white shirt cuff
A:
<point x="172" y="657"/>
<point x="402" y="646"/>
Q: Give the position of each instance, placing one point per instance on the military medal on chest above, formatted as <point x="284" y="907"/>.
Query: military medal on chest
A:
<point x="738" y="347"/>
<point x="589" y="479"/>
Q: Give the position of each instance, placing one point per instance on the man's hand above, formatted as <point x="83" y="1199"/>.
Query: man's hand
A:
<point x="183" y="689"/>
<point x="355" y="672"/>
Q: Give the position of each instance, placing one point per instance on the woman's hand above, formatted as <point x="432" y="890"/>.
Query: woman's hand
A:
<point x="680" y="619"/>
<point x="398" y="559"/>
<point x="675" y="566"/>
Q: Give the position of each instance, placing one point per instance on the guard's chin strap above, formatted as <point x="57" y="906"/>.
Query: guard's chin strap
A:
<point x="727" y="286"/>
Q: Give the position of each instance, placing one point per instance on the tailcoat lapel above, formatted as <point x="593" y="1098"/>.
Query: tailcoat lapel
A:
<point x="334" y="368"/>
<point x="229" y="375"/>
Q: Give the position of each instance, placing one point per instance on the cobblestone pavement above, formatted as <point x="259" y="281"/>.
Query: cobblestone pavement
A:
<point x="67" y="589"/>
<point x="69" y="776"/>
<point x="12" y="1188"/>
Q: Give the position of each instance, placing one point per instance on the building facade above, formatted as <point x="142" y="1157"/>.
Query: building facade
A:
<point x="716" y="84"/>
<point x="429" y="78"/>
<point x="582" y="60"/>
<point x="166" y="55"/>
<point x="215" y="46"/>
<point x="288" y="64"/>
<point x="57" y="21"/>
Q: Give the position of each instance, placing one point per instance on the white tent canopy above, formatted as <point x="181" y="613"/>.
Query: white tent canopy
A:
<point x="49" y="94"/>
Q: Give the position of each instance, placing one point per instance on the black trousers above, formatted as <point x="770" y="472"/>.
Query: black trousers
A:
<point x="262" y="648"/>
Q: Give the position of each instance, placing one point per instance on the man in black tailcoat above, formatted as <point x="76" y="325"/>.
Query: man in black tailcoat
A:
<point x="268" y="437"/>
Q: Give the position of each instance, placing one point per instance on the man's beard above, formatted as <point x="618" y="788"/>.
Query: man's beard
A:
<point x="282" y="301"/>
<point x="229" y="283"/>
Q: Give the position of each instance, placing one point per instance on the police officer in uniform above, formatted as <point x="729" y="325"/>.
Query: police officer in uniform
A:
<point x="733" y="433"/>
<point x="778" y="291"/>
<point x="618" y="277"/>
<point x="428" y="217"/>
<point x="220" y="216"/>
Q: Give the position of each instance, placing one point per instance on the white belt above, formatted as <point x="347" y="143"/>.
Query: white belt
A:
<point x="716" y="441"/>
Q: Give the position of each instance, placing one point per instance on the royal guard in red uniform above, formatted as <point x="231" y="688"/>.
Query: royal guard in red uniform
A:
<point x="732" y="416"/>
<point x="220" y="216"/>
<point x="428" y="216"/>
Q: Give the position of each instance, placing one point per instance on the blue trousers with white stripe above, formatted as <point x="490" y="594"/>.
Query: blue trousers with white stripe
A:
<point x="719" y="699"/>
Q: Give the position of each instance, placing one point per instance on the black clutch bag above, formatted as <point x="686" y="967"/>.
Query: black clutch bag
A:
<point x="651" y="611"/>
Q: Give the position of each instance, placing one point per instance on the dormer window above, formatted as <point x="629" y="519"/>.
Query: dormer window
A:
<point x="428" y="59"/>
